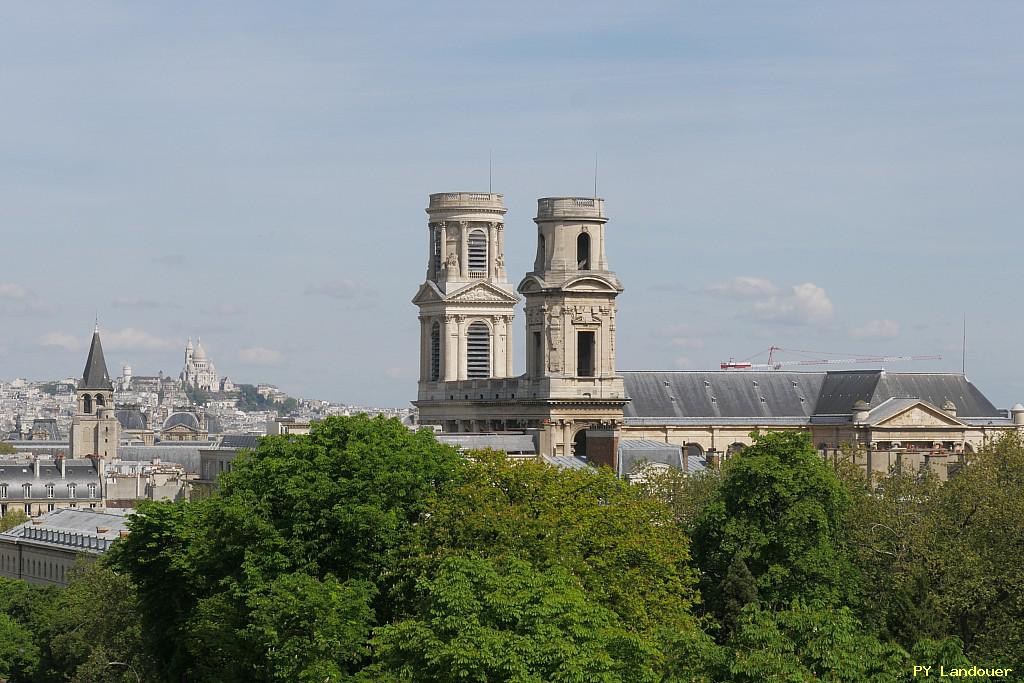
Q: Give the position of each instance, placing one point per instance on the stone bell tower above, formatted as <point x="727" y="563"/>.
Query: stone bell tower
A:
<point x="570" y="328"/>
<point x="466" y="303"/>
<point x="95" y="430"/>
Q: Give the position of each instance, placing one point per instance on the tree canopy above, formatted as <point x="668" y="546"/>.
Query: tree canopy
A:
<point x="367" y="552"/>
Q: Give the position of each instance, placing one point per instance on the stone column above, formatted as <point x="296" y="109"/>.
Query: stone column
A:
<point x="464" y="243"/>
<point x="463" y="364"/>
<point x="501" y="252"/>
<point x="451" y="346"/>
<point x="431" y="270"/>
<point x="424" y="349"/>
<point x="498" y="346"/>
<point x="567" y="438"/>
<point x="508" y="345"/>
<point x="602" y="259"/>
<point x="492" y="250"/>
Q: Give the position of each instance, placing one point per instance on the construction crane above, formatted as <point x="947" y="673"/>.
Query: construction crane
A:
<point x="773" y="364"/>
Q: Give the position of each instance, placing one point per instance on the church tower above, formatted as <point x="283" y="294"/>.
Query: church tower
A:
<point x="465" y="304"/>
<point x="570" y="327"/>
<point x="95" y="430"/>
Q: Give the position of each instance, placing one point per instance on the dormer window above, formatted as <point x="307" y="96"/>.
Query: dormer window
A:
<point x="71" y="490"/>
<point x="3" y="490"/>
<point x="92" y="490"/>
<point x="27" y="489"/>
<point x="49" y="490"/>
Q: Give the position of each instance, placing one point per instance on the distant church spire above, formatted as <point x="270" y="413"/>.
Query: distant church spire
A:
<point x="95" y="375"/>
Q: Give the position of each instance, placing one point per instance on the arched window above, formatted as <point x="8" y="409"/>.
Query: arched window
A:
<point x="583" y="251"/>
<point x="87" y="404"/>
<point x="478" y="351"/>
<point x="435" y="351"/>
<point x="541" y="255"/>
<point x="477" y="252"/>
<point x="99" y="401"/>
<point x="579" y="444"/>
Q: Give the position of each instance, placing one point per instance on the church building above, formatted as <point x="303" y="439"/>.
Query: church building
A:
<point x="576" y="402"/>
<point x="95" y="430"/>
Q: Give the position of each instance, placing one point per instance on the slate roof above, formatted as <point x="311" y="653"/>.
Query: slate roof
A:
<point x="188" y="420"/>
<point x="95" y="375"/>
<point x="237" y="441"/>
<point x="710" y="394"/>
<point x="513" y="444"/>
<point x="567" y="462"/>
<point x="781" y="397"/>
<point x="131" y="418"/>
<point x="16" y="471"/>
<point x="185" y="453"/>
<point x="74" y="529"/>
<point x="634" y="452"/>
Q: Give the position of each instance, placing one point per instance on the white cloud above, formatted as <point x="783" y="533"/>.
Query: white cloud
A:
<point x="11" y="291"/>
<point x="876" y="329"/>
<point x="259" y="355"/>
<point x="18" y="300"/>
<point x="131" y="339"/>
<point x="744" y="287"/>
<point x="804" y="303"/>
<point x="343" y="289"/>
<point x="61" y="340"/>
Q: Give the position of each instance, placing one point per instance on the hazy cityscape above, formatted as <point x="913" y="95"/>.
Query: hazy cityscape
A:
<point x="516" y="343"/>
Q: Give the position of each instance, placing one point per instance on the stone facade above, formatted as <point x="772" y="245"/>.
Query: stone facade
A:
<point x="576" y="402"/>
<point x="199" y="370"/>
<point x="95" y="430"/>
<point x="571" y="383"/>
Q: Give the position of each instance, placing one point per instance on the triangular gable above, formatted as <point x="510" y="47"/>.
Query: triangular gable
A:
<point x="481" y="292"/>
<point x="917" y="414"/>
<point x="428" y="293"/>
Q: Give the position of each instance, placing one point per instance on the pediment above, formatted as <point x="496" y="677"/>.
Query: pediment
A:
<point x="920" y="414"/>
<point x="481" y="293"/>
<point x="591" y="283"/>
<point x="531" y="283"/>
<point x="428" y="293"/>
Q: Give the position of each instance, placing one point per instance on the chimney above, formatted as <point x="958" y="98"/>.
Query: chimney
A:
<point x="35" y="466"/>
<point x="60" y="462"/>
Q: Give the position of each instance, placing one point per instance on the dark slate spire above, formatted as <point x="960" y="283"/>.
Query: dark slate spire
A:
<point x="95" y="375"/>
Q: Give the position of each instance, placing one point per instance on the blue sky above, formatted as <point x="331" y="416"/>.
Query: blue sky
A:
<point x="840" y="177"/>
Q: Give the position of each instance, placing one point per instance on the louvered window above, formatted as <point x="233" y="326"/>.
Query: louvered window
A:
<point x="478" y="351"/>
<point x="477" y="253"/>
<point x="584" y="354"/>
<point x="435" y="352"/>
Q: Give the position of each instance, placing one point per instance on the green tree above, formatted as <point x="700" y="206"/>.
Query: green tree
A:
<point x="781" y="508"/>
<point x="737" y="590"/>
<point x="327" y="514"/>
<point x="12" y="519"/>
<point x="809" y="643"/>
<point x="622" y="545"/>
<point x="686" y="494"/>
<point x="19" y="654"/>
<point x="95" y="620"/>
<point x="492" y="620"/>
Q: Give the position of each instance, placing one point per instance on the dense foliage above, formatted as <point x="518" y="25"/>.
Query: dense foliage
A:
<point x="366" y="552"/>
